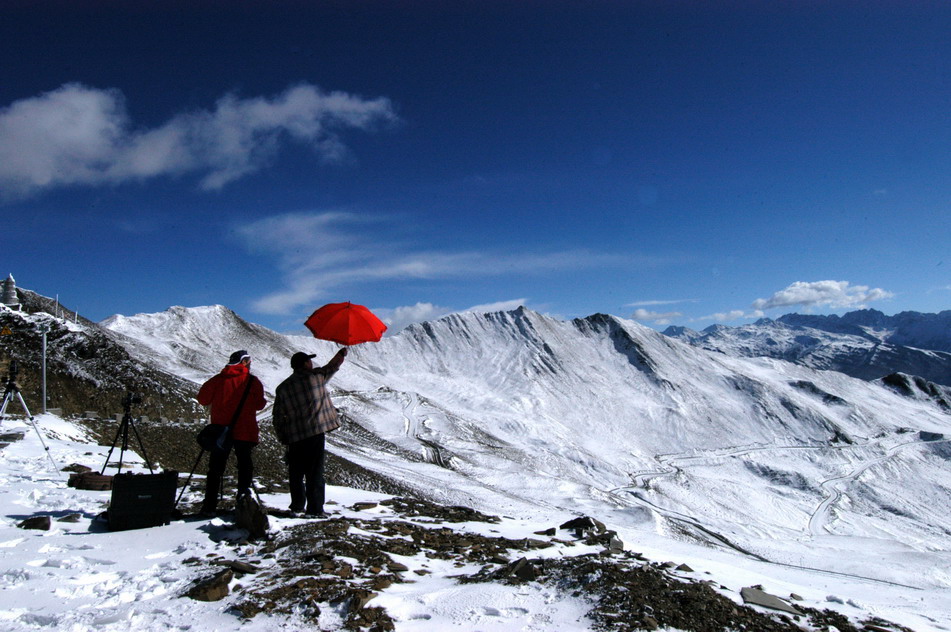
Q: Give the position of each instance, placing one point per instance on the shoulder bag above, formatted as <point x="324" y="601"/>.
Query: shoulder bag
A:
<point x="217" y="437"/>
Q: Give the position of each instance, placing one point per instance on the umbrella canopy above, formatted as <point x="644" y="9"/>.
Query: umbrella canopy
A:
<point x="346" y="323"/>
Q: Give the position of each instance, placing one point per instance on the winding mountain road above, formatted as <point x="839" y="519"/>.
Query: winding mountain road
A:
<point x="834" y="489"/>
<point x="412" y="425"/>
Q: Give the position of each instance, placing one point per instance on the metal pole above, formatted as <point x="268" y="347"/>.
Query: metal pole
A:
<point x="44" y="329"/>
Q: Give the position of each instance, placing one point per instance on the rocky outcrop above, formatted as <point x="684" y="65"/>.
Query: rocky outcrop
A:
<point x="345" y="563"/>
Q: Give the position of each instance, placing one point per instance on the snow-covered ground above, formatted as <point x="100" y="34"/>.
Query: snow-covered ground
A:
<point x="79" y="576"/>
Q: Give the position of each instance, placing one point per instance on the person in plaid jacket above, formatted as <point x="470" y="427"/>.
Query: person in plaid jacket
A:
<point x="302" y="415"/>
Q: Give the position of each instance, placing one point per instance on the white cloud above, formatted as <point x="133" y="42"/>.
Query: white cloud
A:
<point x="833" y="294"/>
<point x="321" y="252"/>
<point x="81" y="135"/>
<point x="658" y="318"/>
<point x="398" y="319"/>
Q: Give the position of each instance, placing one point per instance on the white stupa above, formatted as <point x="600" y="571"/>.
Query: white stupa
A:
<point x="10" y="293"/>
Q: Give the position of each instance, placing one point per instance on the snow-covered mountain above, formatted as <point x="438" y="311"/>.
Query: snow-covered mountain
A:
<point x="768" y="462"/>
<point x="865" y="344"/>
<point x="512" y="411"/>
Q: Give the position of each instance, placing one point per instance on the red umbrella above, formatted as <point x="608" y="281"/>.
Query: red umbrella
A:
<point x="346" y="323"/>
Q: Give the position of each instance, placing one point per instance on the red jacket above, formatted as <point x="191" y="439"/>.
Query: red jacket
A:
<point x="223" y="392"/>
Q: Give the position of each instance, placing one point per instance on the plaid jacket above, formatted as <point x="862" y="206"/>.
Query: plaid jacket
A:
<point x="302" y="406"/>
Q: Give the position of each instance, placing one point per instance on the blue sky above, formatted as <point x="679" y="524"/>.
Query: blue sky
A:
<point x="676" y="162"/>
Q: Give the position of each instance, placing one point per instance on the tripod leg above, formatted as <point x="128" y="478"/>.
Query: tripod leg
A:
<point x="33" y="423"/>
<point x="119" y="433"/>
<point x="3" y="407"/>
<point x="189" y="479"/>
<point x="142" y="447"/>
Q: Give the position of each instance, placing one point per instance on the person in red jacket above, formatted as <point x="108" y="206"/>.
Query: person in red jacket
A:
<point x="224" y="392"/>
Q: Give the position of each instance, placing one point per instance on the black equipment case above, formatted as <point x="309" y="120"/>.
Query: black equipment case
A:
<point x="142" y="500"/>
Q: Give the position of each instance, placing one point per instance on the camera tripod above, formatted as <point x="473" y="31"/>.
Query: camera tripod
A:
<point x="123" y="431"/>
<point x="12" y="390"/>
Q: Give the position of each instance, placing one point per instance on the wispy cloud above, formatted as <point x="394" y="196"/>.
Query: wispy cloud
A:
<point x="321" y="252"/>
<point x="656" y="303"/>
<point x="658" y="318"/>
<point x="82" y="135"/>
<point x="834" y="294"/>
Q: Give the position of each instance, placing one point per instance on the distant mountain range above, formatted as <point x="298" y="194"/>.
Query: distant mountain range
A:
<point x="865" y="344"/>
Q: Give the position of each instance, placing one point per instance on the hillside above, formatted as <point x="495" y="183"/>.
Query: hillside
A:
<point x="518" y="414"/>
<point x="88" y="368"/>
<point x="514" y="410"/>
<point x="378" y="563"/>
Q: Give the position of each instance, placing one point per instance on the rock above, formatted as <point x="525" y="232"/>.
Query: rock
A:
<point x="359" y="598"/>
<point x="684" y="568"/>
<point x="615" y="545"/>
<point x="548" y="532"/>
<point x="761" y="598"/>
<point x="74" y="517"/>
<point x="649" y="623"/>
<point x="250" y="516"/>
<point x="214" y="588"/>
<point x="90" y="480"/>
<point x="523" y="570"/>
<point x="7" y="438"/>
<point x="242" y="568"/>
<point x="40" y="523"/>
<point x="363" y="506"/>
<point x="397" y="567"/>
<point x="381" y="583"/>
<point x="795" y="597"/>
<point x="584" y="526"/>
<point x="76" y="467"/>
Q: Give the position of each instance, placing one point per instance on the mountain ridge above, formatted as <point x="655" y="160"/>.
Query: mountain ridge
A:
<point x="865" y="344"/>
<point x="516" y="411"/>
<point x="482" y="398"/>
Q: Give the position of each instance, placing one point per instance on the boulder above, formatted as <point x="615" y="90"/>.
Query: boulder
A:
<point x="40" y="523"/>
<point x="758" y="597"/>
<point x="213" y="588"/>
<point x="584" y="526"/>
<point x="250" y="516"/>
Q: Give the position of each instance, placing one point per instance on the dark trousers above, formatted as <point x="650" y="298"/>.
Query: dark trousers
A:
<point x="305" y="473"/>
<point x="216" y="469"/>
